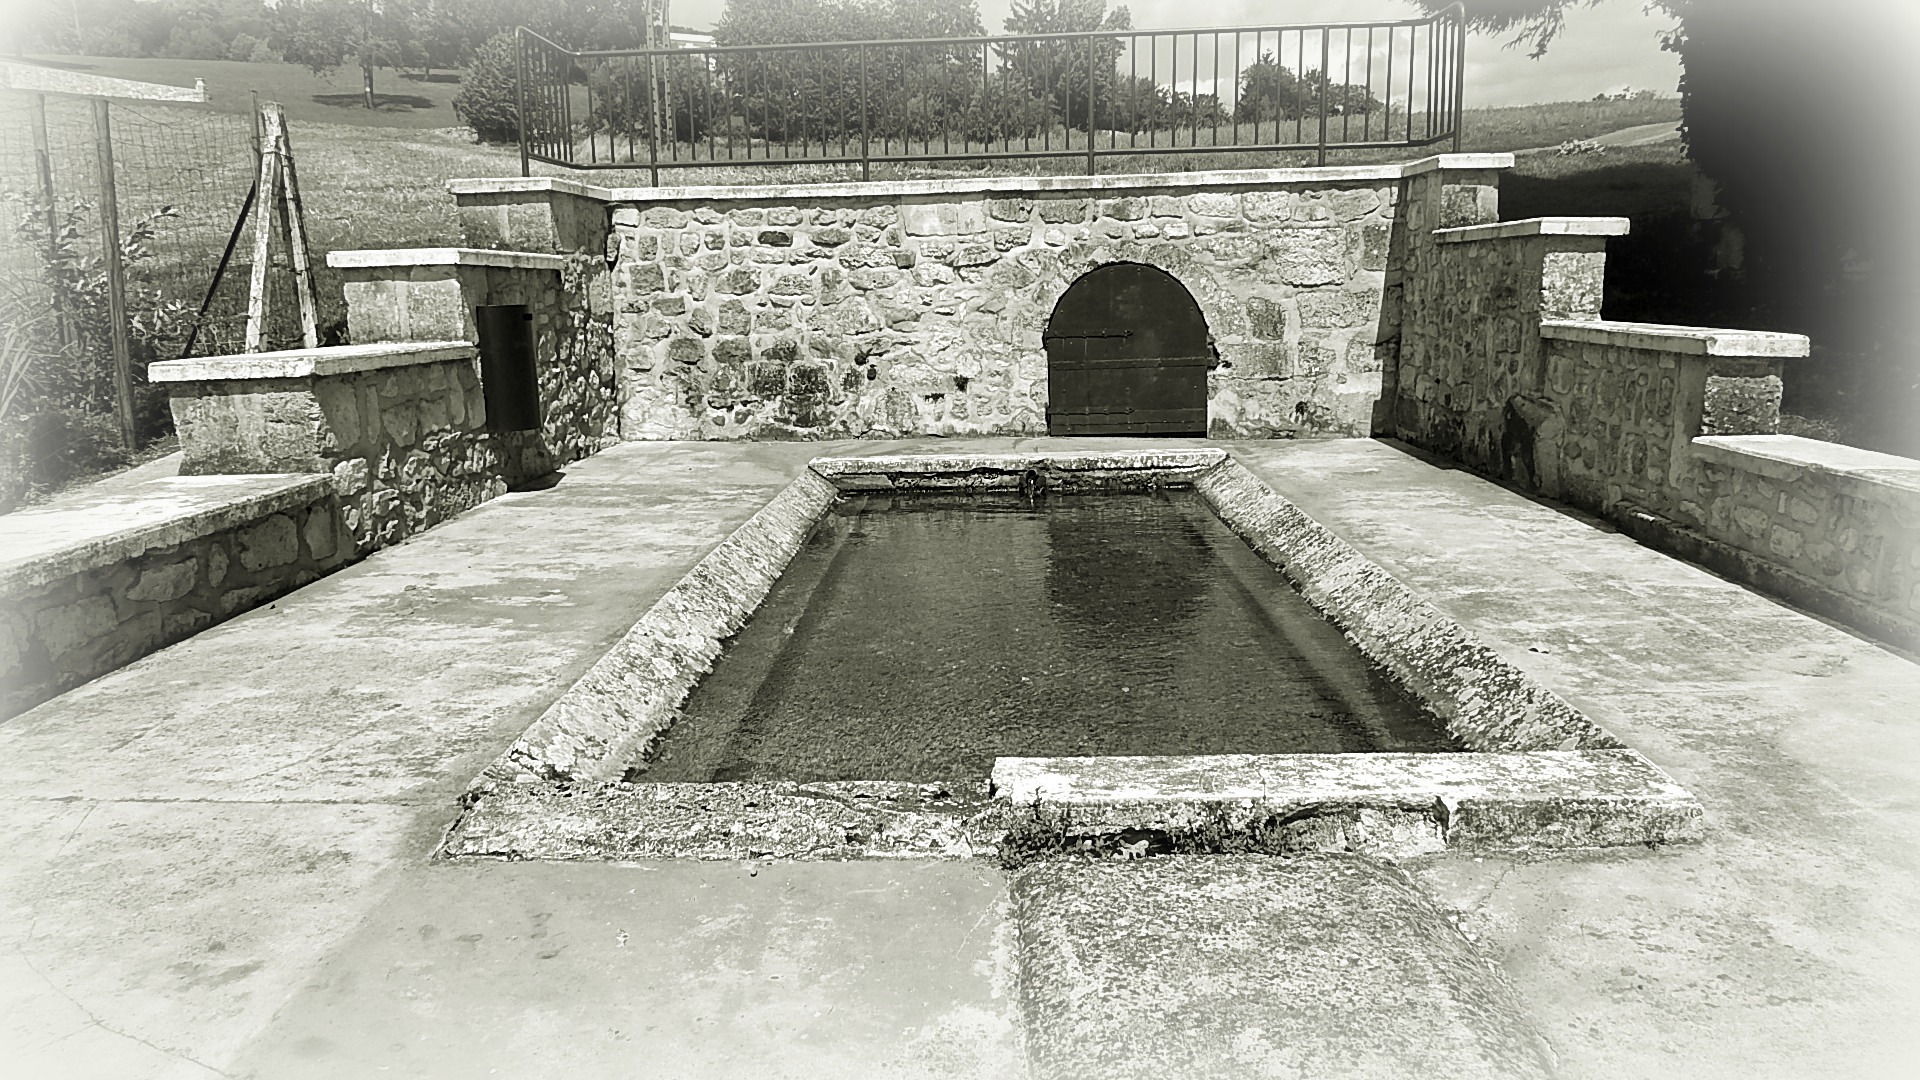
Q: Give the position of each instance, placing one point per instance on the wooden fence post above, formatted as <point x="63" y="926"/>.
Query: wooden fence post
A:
<point x="116" y="273"/>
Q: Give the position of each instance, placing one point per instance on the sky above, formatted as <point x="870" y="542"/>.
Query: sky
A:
<point x="1608" y="48"/>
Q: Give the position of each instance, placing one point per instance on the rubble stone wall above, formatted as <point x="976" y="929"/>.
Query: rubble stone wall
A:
<point x="430" y="294"/>
<point x="405" y="441"/>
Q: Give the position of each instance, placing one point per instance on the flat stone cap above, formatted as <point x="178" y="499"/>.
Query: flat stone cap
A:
<point x="300" y="363"/>
<point x="110" y="522"/>
<point x="1108" y="185"/>
<point x="1862" y="473"/>
<point x="1692" y="340"/>
<point x="370" y="258"/>
<point x="1539" y="226"/>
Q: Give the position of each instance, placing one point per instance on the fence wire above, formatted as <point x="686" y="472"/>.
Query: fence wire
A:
<point x="181" y="176"/>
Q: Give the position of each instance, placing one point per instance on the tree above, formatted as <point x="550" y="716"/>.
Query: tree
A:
<point x="487" y="100"/>
<point x="325" y="34"/>
<point x="1058" y="72"/>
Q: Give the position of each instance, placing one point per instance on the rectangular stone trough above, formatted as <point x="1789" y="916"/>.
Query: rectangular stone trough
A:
<point x="1539" y="774"/>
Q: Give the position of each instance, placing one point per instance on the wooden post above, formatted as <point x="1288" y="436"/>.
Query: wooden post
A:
<point x="116" y="273"/>
<point x="277" y="198"/>
<point x="293" y="222"/>
<point x="43" y="161"/>
<point x="267" y="189"/>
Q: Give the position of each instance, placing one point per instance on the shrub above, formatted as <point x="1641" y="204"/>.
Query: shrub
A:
<point x="486" y="102"/>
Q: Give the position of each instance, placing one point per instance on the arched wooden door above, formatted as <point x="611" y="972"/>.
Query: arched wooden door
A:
<point x="1127" y="354"/>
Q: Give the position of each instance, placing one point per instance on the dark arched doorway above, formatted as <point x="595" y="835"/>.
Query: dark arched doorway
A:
<point x="1127" y="354"/>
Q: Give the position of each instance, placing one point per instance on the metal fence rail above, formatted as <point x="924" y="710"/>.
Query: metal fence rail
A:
<point x="1309" y="89"/>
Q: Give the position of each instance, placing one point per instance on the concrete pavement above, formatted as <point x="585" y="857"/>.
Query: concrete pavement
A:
<point x="218" y="858"/>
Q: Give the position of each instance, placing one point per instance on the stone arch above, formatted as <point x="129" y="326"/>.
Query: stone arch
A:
<point x="1224" y="313"/>
<point x="1128" y="350"/>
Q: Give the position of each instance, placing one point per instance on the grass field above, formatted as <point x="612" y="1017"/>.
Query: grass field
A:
<point x="402" y="100"/>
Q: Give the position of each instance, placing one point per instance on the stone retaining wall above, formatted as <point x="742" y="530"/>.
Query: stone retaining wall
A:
<point x="916" y="308"/>
<point x="112" y="593"/>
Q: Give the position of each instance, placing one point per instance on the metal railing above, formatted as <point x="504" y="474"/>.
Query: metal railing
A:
<point x="1307" y="89"/>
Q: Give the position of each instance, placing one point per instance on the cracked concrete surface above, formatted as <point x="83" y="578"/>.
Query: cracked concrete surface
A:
<point x="218" y="857"/>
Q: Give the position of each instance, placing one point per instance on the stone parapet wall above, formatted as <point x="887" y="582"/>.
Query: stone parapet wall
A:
<point x="120" y="574"/>
<point x="1470" y="348"/>
<point x="429" y="294"/>
<point x="400" y="427"/>
<point x="1830" y="527"/>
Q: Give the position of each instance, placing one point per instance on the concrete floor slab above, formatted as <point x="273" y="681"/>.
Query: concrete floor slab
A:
<point x="200" y="795"/>
<point x="1228" y="966"/>
<point x="681" y="969"/>
<point x="1788" y="943"/>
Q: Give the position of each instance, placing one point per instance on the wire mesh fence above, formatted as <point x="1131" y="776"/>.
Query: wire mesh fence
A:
<point x="179" y="176"/>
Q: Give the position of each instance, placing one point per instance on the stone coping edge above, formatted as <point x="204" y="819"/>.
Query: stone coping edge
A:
<point x="377" y="258"/>
<point x="1380" y="805"/>
<point x="1389" y="805"/>
<point x="1861" y="473"/>
<point x="605" y="720"/>
<point x="302" y="363"/>
<point x="1046" y="469"/>
<point x="1486" y="702"/>
<point x="1662" y="337"/>
<point x="1012" y="185"/>
<point x="1539" y="226"/>
<point x="295" y="490"/>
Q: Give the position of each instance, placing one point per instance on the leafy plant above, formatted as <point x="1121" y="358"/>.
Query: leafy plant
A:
<point x="486" y="102"/>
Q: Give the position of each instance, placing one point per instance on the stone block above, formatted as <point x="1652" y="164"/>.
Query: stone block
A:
<point x="766" y="380"/>
<point x="1214" y="204"/>
<point x="831" y="236"/>
<point x="734" y="317"/>
<point x="1266" y="207"/>
<point x="166" y="583"/>
<point x="944" y="218"/>
<point x="775" y="238"/>
<point x="1123" y="209"/>
<point x="1572" y="284"/>
<point x="1063" y="211"/>
<point x="1010" y="209"/>
<point x="732" y="352"/>
<point x="738" y="281"/>
<point x="321" y="533"/>
<point x="67" y="627"/>
<point x="273" y="542"/>
<point x="663" y="217"/>
<point x="1338" y="308"/>
<point x="1266" y="318"/>
<point x="1352" y="203"/>
<point x="686" y="350"/>
<point x="783" y="215"/>
<point x="1310" y="257"/>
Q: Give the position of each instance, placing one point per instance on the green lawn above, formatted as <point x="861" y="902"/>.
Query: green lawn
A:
<point x="403" y="99"/>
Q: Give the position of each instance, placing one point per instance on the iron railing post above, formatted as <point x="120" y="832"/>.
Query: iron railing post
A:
<point x="1092" y="41"/>
<point x="653" y="126"/>
<point x="520" y="95"/>
<point x="866" y="142"/>
<point x="1459" y="73"/>
<point x="1326" y="33"/>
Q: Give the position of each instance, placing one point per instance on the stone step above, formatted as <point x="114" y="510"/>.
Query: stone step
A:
<point x="1321" y="966"/>
<point x="1386" y="805"/>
